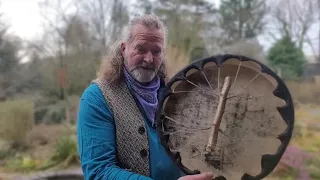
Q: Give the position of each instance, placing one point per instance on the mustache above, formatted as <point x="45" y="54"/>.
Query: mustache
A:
<point x="146" y="66"/>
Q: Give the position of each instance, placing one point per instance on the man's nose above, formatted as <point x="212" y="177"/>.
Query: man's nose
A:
<point x="148" y="57"/>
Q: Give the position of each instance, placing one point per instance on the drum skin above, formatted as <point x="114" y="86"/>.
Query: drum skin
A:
<point x="250" y="127"/>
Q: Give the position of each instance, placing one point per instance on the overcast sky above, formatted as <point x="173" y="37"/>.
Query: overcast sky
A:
<point x="26" y="21"/>
<point x="24" y="16"/>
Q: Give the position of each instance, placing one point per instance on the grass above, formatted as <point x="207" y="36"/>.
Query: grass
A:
<point x="314" y="167"/>
<point x="305" y="92"/>
<point x="307" y="140"/>
<point x="285" y="174"/>
<point x="306" y="134"/>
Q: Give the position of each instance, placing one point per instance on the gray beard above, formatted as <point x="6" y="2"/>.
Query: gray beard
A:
<point x="140" y="74"/>
<point x="143" y="75"/>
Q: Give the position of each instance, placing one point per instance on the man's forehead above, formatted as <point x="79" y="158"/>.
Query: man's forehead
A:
<point x="141" y="32"/>
<point x="149" y="37"/>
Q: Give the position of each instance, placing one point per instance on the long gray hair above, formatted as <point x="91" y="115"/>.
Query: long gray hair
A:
<point x="111" y="68"/>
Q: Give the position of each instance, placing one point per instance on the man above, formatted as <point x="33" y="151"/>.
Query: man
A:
<point x="116" y="129"/>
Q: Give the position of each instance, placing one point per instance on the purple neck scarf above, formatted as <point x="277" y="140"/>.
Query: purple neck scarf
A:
<point x="145" y="93"/>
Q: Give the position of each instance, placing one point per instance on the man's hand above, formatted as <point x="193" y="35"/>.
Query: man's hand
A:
<point x="202" y="176"/>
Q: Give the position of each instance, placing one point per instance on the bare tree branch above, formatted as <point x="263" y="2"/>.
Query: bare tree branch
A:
<point x="294" y="18"/>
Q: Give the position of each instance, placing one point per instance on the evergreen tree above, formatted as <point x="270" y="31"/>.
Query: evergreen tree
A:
<point x="290" y="59"/>
<point x="242" y="19"/>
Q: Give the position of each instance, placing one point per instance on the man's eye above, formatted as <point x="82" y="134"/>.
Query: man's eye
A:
<point x="141" y="50"/>
<point x="157" y="52"/>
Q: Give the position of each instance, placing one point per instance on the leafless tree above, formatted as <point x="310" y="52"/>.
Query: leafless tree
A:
<point x="106" y="20"/>
<point x="293" y="18"/>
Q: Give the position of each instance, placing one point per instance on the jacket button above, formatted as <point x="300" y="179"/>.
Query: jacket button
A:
<point x="141" y="130"/>
<point x="143" y="153"/>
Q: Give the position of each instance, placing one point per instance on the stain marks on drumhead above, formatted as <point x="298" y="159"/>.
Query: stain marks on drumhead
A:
<point x="250" y="126"/>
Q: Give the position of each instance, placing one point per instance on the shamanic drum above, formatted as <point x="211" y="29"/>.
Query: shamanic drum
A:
<point x="227" y="114"/>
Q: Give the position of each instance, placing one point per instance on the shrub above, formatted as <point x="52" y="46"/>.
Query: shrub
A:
<point x="55" y="113"/>
<point x="16" y="120"/>
<point x="66" y="151"/>
<point x="21" y="163"/>
<point x="25" y="163"/>
<point x="284" y="54"/>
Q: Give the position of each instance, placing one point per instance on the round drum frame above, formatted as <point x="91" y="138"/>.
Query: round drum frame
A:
<point x="268" y="161"/>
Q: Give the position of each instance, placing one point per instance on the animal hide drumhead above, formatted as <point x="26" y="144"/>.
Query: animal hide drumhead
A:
<point x="227" y="114"/>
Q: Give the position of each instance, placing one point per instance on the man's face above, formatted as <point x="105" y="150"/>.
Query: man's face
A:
<point x="144" y="54"/>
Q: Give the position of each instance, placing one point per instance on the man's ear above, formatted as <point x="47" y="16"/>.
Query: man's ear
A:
<point x="123" y="48"/>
